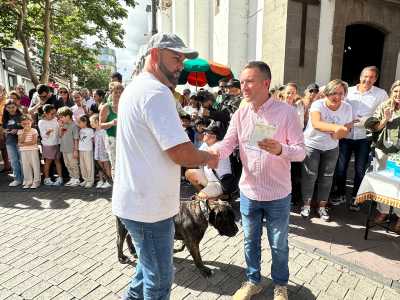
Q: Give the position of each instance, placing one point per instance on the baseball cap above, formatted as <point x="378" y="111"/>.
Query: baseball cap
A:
<point x="312" y="86"/>
<point x="233" y="83"/>
<point x="172" y="42"/>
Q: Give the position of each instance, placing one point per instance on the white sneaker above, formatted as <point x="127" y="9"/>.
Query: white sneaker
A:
<point x="305" y="212"/>
<point x="35" y="185"/>
<point x="58" y="181"/>
<point x="71" y="181"/>
<point x="26" y="186"/>
<point x="323" y="214"/>
<point x="15" y="183"/>
<point x="88" y="185"/>
<point x="47" y="181"/>
<point x="75" y="182"/>
<point x="106" y="185"/>
<point x="280" y="293"/>
<point x="99" y="184"/>
<point x="247" y="290"/>
<point x="82" y="184"/>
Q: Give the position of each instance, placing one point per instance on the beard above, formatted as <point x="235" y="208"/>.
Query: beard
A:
<point x="172" y="77"/>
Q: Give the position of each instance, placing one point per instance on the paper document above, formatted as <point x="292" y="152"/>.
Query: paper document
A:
<point x="261" y="131"/>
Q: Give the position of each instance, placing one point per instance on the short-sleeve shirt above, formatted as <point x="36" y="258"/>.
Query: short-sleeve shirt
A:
<point x="323" y="140"/>
<point x="77" y="112"/>
<point x="13" y="122"/>
<point x="224" y="167"/>
<point x="86" y="136"/>
<point x="29" y="136"/>
<point x="71" y="133"/>
<point x="147" y="181"/>
<point x="51" y="127"/>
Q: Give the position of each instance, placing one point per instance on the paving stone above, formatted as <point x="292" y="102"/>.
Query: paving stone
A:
<point x="71" y="282"/>
<point x="303" y="260"/>
<point x="306" y="274"/>
<point x="352" y="295"/>
<point x="366" y="288"/>
<point x="390" y="295"/>
<point x="348" y="281"/>
<point x="50" y="293"/>
<point x="9" y="274"/>
<point x="336" y="291"/>
<point x="108" y="277"/>
<point x="36" y="290"/>
<point x="84" y="288"/>
<point x="99" y="293"/>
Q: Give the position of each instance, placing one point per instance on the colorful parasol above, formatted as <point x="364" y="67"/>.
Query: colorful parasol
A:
<point x="199" y="72"/>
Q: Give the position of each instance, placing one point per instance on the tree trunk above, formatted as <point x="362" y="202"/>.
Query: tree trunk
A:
<point x="22" y="13"/>
<point x="47" y="43"/>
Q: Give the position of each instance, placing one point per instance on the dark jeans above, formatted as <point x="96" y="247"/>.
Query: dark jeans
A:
<point x="318" y="169"/>
<point x="361" y="149"/>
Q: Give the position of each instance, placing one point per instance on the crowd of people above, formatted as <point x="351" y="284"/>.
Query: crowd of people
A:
<point x="66" y="136"/>
<point x="206" y="139"/>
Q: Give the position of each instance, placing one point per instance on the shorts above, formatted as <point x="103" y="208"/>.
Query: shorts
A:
<point x="211" y="188"/>
<point x="51" y="152"/>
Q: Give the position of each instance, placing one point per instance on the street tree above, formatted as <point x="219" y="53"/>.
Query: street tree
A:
<point x="61" y="28"/>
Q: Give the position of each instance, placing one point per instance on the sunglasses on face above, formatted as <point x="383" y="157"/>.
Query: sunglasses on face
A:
<point x="314" y="91"/>
<point x="43" y="96"/>
<point x="62" y="92"/>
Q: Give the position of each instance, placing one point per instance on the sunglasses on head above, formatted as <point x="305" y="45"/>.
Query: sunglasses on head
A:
<point x="314" y="91"/>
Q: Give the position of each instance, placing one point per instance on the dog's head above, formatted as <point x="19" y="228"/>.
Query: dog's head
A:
<point x="222" y="218"/>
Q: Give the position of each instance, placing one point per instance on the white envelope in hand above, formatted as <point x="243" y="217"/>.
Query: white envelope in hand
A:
<point x="261" y="131"/>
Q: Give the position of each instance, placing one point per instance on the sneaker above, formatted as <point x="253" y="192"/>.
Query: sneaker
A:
<point x="15" y="183"/>
<point x="106" y="185"/>
<point x="35" y="185"/>
<point x="47" y="181"/>
<point x="82" y="184"/>
<point x="338" y="200"/>
<point x="26" y="186"/>
<point x="280" y="293"/>
<point x="99" y="184"/>
<point x="247" y="290"/>
<point x="73" y="182"/>
<point x="88" y="185"/>
<point x="323" y="214"/>
<point x="58" y="181"/>
<point x="353" y="206"/>
<point x="305" y="212"/>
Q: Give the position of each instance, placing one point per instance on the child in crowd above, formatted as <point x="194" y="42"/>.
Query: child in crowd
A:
<point x="85" y="147"/>
<point x="199" y="126"/>
<point x="186" y="123"/>
<point x="79" y="109"/>
<point x="100" y="153"/>
<point x="28" y="146"/>
<point x="49" y="129"/>
<point x="69" y="138"/>
<point x="11" y="124"/>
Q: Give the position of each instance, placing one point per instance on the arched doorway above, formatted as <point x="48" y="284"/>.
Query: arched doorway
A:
<point x="363" y="47"/>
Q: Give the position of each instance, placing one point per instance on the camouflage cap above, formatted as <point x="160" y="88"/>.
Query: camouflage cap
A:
<point x="172" y="42"/>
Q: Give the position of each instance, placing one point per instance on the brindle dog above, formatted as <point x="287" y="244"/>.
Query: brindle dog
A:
<point x="190" y="226"/>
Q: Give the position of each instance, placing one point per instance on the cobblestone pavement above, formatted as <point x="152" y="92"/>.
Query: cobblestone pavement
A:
<point x="59" y="243"/>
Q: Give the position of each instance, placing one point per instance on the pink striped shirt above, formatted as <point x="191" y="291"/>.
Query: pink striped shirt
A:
<point x="265" y="176"/>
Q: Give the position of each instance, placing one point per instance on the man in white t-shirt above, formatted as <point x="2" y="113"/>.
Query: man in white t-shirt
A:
<point x="151" y="147"/>
<point x="364" y="98"/>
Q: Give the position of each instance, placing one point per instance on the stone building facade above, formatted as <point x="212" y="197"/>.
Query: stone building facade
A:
<point x="302" y="40"/>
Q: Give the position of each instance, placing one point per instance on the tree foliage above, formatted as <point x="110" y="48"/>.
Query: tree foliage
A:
<point x="60" y="29"/>
<point x="93" y="77"/>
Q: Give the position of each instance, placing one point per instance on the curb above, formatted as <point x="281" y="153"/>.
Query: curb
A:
<point x="393" y="284"/>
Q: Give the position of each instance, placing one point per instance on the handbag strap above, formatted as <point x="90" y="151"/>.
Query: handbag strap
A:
<point x="216" y="175"/>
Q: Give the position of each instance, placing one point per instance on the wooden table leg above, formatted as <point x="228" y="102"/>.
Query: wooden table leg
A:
<point x="372" y="205"/>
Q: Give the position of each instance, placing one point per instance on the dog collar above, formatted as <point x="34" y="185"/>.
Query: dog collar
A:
<point x="204" y="209"/>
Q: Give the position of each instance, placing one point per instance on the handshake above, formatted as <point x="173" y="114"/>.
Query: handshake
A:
<point x="212" y="158"/>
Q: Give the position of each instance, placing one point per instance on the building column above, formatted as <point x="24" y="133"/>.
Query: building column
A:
<point x="180" y="19"/>
<point x="325" y="46"/>
<point x="254" y="28"/>
<point x="397" y="77"/>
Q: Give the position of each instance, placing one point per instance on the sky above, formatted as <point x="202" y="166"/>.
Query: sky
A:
<point x="136" y="29"/>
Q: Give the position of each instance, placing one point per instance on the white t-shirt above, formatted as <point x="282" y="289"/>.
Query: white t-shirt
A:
<point x="224" y="167"/>
<point x="86" y="136"/>
<point x="147" y="182"/>
<point x="363" y="107"/>
<point x="52" y="127"/>
<point x="323" y="140"/>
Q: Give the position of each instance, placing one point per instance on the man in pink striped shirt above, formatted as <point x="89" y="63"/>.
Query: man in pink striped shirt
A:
<point x="265" y="182"/>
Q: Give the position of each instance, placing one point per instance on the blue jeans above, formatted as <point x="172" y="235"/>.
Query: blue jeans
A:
<point x="154" y="271"/>
<point x="15" y="158"/>
<point x="276" y="214"/>
<point x="361" y="149"/>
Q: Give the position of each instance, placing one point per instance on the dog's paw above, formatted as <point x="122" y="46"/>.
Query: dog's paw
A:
<point x="206" y="272"/>
<point x="124" y="259"/>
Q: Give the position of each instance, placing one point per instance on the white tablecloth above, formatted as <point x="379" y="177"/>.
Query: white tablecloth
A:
<point x="380" y="187"/>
